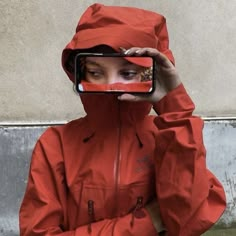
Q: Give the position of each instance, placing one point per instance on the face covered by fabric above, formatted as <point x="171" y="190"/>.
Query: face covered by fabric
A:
<point x="114" y="28"/>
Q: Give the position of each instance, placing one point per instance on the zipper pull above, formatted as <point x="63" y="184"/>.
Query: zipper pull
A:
<point x="137" y="212"/>
<point x="91" y="215"/>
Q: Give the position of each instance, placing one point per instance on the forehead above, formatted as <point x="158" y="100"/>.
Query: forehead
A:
<point x="107" y="61"/>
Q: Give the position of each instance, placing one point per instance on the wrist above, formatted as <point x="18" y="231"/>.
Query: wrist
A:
<point x="154" y="213"/>
<point x="176" y="100"/>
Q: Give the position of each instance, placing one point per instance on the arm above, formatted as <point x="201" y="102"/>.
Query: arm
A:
<point x="191" y="199"/>
<point x="43" y="210"/>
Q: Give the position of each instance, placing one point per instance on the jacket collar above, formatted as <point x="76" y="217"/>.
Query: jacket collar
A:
<point x="105" y="111"/>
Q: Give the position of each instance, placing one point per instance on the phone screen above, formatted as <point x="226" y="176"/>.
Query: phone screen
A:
<point x="114" y="73"/>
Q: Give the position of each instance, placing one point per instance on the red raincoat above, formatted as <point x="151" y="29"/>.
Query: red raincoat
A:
<point x="93" y="175"/>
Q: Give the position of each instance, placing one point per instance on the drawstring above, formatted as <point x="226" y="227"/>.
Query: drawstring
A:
<point x="139" y="141"/>
<point x="85" y="140"/>
<point x="91" y="215"/>
<point x="136" y="210"/>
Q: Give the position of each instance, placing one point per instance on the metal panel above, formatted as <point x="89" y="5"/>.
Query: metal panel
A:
<point x="220" y="141"/>
<point x="16" y="144"/>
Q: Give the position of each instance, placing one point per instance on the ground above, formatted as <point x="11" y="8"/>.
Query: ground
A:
<point x="221" y="232"/>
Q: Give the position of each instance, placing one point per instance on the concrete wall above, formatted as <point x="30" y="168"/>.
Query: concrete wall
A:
<point x="33" y="33"/>
<point x="34" y="90"/>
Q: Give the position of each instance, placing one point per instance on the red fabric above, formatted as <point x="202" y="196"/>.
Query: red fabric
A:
<point x="118" y="27"/>
<point x="100" y="158"/>
<point x="129" y="87"/>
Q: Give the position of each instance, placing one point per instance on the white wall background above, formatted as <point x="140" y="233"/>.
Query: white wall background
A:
<point x="34" y="88"/>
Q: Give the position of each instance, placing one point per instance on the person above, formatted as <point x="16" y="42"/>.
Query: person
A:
<point x="120" y="170"/>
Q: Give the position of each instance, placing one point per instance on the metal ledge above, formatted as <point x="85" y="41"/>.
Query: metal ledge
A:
<point x="61" y="122"/>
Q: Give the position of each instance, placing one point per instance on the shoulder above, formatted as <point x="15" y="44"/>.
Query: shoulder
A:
<point x="53" y="140"/>
<point x="55" y="134"/>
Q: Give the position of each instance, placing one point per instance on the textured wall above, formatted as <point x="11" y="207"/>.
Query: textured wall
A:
<point x="33" y="33"/>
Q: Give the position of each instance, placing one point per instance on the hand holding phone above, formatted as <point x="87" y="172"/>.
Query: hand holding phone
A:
<point x="165" y="74"/>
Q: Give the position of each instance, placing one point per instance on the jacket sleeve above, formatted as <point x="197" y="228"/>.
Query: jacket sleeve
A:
<point x="43" y="209"/>
<point x="191" y="199"/>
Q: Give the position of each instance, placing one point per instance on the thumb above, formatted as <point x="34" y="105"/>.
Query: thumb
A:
<point x="130" y="97"/>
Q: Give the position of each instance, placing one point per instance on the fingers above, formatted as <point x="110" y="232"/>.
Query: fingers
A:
<point x="166" y="74"/>
<point x="130" y="97"/>
<point x="160" y="57"/>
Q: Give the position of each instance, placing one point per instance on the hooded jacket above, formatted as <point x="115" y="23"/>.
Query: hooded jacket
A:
<point x="94" y="175"/>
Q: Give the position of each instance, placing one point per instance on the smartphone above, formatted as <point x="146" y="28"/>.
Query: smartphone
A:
<point x="114" y="73"/>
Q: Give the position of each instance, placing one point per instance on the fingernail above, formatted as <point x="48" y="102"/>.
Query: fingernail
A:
<point x="127" y="51"/>
<point x="122" y="49"/>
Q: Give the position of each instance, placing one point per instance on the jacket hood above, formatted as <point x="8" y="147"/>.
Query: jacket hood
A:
<point x="116" y="27"/>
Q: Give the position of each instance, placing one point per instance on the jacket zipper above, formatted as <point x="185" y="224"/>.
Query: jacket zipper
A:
<point x="117" y="162"/>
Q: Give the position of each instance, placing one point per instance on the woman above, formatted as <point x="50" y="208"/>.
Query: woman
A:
<point x="118" y="170"/>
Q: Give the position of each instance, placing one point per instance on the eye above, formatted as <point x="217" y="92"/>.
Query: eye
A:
<point x="94" y="73"/>
<point x="129" y="74"/>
